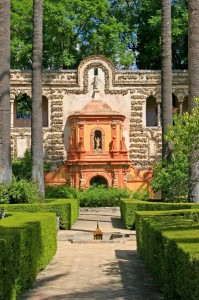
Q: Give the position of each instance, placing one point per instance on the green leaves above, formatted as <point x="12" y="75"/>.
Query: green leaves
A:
<point x="72" y="29"/>
<point x="172" y="177"/>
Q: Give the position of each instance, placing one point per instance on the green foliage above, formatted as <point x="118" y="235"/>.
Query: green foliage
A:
<point x="140" y="195"/>
<point x="101" y="197"/>
<point x="95" y="196"/>
<point x="66" y="209"/>
<point x="73" y="29"/>
<point x="24" y="104"/>
<point x="28" y="243"/>
<point x="22" y="168"/>
<point x="4" y="195"/>
<point x="21" y="191"/>
<point x="129" y="207"/>
<point x="62" y="191"/>
<point x="149" y="34"/>
<point x="168" y="243"/>
<point x="172" y="177"/>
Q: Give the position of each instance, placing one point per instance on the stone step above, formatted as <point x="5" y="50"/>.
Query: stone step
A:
<point x="116" y="241"/>
<point x="87" y="237"/>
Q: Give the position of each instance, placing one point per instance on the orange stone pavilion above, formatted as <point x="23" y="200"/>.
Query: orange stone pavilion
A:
<point x="97" y="150"/>
<point x="97" y="153"/>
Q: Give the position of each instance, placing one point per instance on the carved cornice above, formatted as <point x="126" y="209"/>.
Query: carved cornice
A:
<point x="116" y="81"/>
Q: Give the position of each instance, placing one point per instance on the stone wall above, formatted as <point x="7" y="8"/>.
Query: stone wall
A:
<point x="69" y="91"/>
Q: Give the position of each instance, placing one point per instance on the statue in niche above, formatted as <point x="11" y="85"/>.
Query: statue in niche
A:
<point x="98" y="141"/>
<point x="96" y="83"/>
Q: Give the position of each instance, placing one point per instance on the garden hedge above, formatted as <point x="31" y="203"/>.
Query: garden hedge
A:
<point x="168" y="242"/>
<point x="27" y="242"/>
<point x="129" y="207"/>
<point x="66" y="209"/>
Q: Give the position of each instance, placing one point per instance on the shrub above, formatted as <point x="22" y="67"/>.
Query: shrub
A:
<point x="141" y="195"/>
<point x="23" y="191"/>
<point x="21" y="168"/>
<point x="4" y="196"/>
<point x="168" y="243"/>
<point x="100" y="196"/>
<point x="66" y="209"/>
<point x="92" y="197"/>
<point x="129" y="207"/>
<point x="62" y="191"/>
<point x="28" y="243"/>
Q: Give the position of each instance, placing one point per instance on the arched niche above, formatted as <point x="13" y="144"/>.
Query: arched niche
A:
<point x="23" y="111"/>
<point x="97" y="140"/>
<point x="151" y="111"/>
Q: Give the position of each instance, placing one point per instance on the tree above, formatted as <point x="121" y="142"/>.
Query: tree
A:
<point x="5" y="141"/>
<point x="36" y="120"/>
<point x="148" y="34"/>
<point x="172" y="177"/>
<point x="193" y="71"/>
<point x="119" y="29"/>
<point x="166" y="76"/>
<point x="73" y="29"/>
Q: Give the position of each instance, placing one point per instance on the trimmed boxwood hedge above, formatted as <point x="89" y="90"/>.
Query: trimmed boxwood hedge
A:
<point x="66" y="209"/>
<point x="27" y="242"/>
<point x="168" y="242"/>
<point x="129" y="207"/>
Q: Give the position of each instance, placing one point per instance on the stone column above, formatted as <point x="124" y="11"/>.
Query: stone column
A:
<point x="81" y="131"/>
<point x="180" y="107"/>
<point x="158" y="113"/>
<point x="114" y="137"/>
<point x="180" y="101"/>
<point x="12" y="113"/>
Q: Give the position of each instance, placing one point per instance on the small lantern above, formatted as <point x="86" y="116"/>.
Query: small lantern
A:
<point x="97" y="233"/>
<point x="3" y="214"/>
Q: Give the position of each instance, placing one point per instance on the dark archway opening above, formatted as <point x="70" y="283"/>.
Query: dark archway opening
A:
<point x="98" y="181"/>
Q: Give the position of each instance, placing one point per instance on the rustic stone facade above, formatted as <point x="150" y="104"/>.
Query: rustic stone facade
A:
<point x="69" y="91"/>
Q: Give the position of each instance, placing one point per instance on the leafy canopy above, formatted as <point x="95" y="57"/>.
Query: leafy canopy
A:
<point x="126" y="32"/>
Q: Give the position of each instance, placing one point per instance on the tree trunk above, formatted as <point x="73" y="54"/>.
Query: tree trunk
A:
<point x="36" y="123"/>
<point x="166" y="79"/>
<point x="5" y="140"/>
<point x="193" y="71"/>
<point x="166" y="76"/>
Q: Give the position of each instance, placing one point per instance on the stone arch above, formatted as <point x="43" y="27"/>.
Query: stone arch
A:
<point x="151" y="111"/>
<point x="182" y="98"/>
<point x="22" y="115"/>
<point x="93" y="62"/>
<point x="22" y="109"/>
<point x="102" y="174"/>
<point x="98" y="180"/>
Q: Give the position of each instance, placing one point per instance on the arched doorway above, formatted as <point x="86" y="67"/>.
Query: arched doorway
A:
<point x="98" y="180"/>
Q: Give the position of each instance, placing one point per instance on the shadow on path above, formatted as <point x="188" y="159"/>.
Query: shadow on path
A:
<point x="135" y="277"/>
